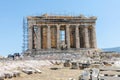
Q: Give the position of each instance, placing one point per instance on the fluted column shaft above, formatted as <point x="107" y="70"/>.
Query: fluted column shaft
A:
<point x="86" y="38"/>
<point x="30" y="38"/>
<point x="68" y="36"/>
<point x="77" y="36"/>
<point x="94" y="43"/>
<point x="58" y="36"/>
<point x="48" y="37"/>
<point x="39" y="38"/>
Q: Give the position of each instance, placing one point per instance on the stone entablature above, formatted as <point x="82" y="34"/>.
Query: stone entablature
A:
<point x="61" y="19"/>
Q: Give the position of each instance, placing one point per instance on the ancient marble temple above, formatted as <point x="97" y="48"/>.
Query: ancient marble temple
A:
<point x="48" y="32"/>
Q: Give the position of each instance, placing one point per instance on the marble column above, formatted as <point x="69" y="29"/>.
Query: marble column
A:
<point x="77" y="36"/>
<point x="86" y="37"/>
<point x="30" y="38"/>
<point x="48" y="37"/>
<point x="58" y="36"/>
<point x="93" y="36"/>
<point x="39" y="38"/>
<point x="68" y="36"/>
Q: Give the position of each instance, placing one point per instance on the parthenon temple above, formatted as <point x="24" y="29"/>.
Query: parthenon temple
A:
<point x="48" y="32"/>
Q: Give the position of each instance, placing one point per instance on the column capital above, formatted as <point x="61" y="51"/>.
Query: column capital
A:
<point x="67" y="25"/>
<point x="93" y="26"/>
<point x="77" y="25"/>
<point x="30" y="26"/>
<point x="86" y="26"/>
<point x="58" y="25"/>
<point x="47" y="25"/>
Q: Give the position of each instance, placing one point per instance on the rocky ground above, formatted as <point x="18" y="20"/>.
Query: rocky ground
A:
<point x="41" y="70"/>
<point x="38" y="67"/>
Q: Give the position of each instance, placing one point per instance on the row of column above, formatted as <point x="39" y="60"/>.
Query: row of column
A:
<point x="86" y="37"/>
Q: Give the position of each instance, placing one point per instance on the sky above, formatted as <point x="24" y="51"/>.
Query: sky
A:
<point x="12" y="13"/>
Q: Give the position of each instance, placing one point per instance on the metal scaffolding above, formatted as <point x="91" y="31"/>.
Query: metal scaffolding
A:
<point x="25" y="35"/>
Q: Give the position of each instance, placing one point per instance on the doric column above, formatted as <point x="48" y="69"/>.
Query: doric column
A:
<point x="58" y="36"/>
<point x="30" y="37"/>
<point x="77" y="36"/>
<point x="48" y="37"/>
<point x="39" y="38"/>
<point x="86" y="37"/>
<point x="94" y="43"/>
<point x="68" y="36"/>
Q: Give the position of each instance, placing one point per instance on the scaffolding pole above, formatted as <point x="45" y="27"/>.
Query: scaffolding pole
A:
<point x="25" y="35"/>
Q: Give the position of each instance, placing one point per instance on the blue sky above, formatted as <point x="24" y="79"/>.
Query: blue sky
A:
<point x="13" y="11"/>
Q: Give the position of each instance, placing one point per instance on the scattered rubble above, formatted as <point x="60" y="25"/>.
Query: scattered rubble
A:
<point x="9" y="69"/>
